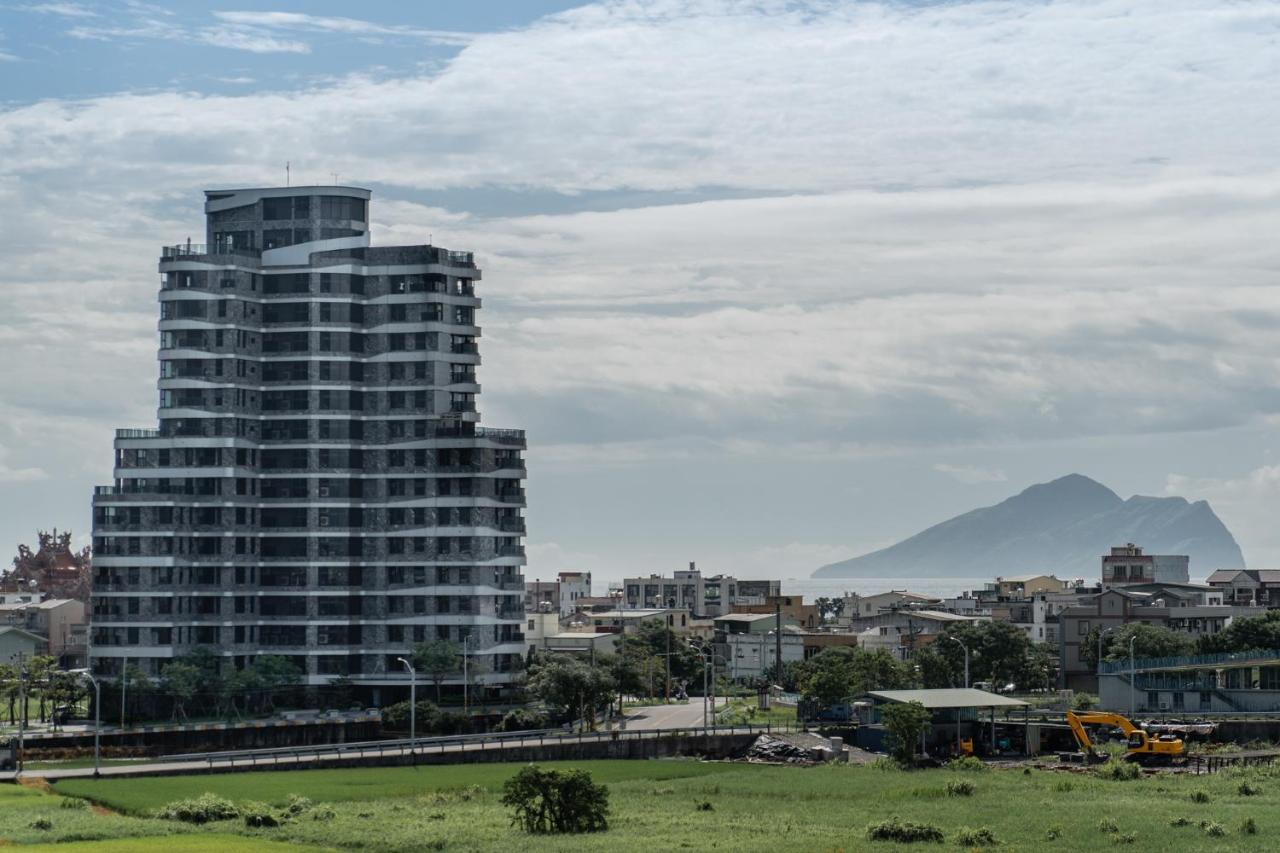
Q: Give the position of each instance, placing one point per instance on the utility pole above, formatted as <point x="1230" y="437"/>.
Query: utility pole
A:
<point x="413" y="706"/>
<point x="22" y="706"/>
<point x="667" y="691"/>
<point x="777" y="643"/>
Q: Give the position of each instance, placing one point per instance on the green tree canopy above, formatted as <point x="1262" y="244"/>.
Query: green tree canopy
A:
<point x="840" y="673"/>
<point x="439" y="659"/>
<point x="905" y="722"/>
<point x="1244" y="634"/>
<point x="570" y="686"/>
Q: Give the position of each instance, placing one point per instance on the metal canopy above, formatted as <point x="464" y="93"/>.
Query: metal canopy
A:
<point x="951" y="698"/>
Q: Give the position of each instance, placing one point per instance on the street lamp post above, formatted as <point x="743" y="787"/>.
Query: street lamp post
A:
<point x="1132" y="640"/>
<point x="413" y="705"/>
<point x="966" y="658"/>
<point x="466" y="682"/>
<point x="97" y="722"/>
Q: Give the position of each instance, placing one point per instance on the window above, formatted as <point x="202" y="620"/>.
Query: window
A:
<point x="1082" y="627"/>
<point x="340" y="207"/>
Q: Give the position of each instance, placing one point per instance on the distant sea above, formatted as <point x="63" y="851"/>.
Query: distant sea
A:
<point x="814" y="588"/>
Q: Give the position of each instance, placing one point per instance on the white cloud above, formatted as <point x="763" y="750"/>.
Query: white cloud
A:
<point x="971" y="473"/>
<point x="350" y="26"/>
<point x="7" y="57"/>
<point x="65" y="10"/>
<point x="976" y="223"/>
<point x="254" y="41"/>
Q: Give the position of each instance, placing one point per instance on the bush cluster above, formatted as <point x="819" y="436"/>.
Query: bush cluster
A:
<point x="1108" y="825"/>
<point x="1120" y="771"/>
<point x="903" y="832"/>
<point x="205" y="808"/>
<point x="966" y="763"/>
<point x="1199" y="796"/>
<point x="1247" y="790"/>
<point x="980" y="837"/>
<point x="556" y="801"/>
<point x="960" y="788"/>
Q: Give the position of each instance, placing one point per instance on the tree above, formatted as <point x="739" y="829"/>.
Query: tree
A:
<point x="999" y="652"/>
<point x="40" y="670"/>
<point x="273" y="673"/>
<point x="181" y="682"/>
<point x="1243" y="634"/>
<point x="141" y="687"/>
<point x="438" y="658"/>
<point x="934" y="670"/>
<point x="9" y="689"/>
<point x="552" y="801"/>
<point x="653" y="639"/>
<point x="905" y="722"/>
<point x="571" y="686"/>
<point x="235" y="684"/>
<point x="830" y="609"/>
<point x="836" y="674"/>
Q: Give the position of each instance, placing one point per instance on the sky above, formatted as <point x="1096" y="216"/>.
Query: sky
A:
<point x="769" y="284"/>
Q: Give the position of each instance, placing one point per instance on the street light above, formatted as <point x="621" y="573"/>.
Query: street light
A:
<point x="1132" y="640"/>
<point x="466" y="687"/>
<point x="966" y="659"/>
<point x="413" y="705"/>
<point x="97" y="718"/>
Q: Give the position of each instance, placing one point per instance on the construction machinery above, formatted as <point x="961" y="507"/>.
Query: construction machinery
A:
<point x="1142" y="747"/>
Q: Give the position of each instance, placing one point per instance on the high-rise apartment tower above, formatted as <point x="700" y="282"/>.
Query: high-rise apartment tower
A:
<point x="319" y="486"/>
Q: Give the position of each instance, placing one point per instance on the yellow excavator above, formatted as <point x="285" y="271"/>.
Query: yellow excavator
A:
<point x="1143" y="748"/>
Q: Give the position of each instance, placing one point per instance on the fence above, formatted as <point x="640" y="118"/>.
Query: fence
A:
<point x="1253" y="656"/>
<point x="456" y="743"/>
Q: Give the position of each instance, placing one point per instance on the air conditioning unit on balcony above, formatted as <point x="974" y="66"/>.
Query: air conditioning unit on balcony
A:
<point x="324" y="521"/>
<point x="324" y="491"/>
<point x="1164" y="706"/>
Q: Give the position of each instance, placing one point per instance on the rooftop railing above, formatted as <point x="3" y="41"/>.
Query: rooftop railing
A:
<point x="192" y="250"/>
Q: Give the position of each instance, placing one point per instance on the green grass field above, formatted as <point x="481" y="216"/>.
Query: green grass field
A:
<point x="662" y="805"/>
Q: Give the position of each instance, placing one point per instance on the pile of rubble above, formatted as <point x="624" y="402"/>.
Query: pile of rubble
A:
<point x="790" y="749"/>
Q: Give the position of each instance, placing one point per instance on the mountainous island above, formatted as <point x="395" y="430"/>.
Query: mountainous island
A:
<point x="1063" y="527"/>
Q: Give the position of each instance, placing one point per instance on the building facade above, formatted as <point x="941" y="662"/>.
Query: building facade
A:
<point x="1127" y="565"/>
<point x="319" y="486"/>
<point x="687" y="590"/>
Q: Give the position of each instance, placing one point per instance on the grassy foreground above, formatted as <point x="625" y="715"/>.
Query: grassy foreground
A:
<point x="671" y="805"/>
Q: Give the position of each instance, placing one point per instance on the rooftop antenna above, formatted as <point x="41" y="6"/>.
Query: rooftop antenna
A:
<point x="286" y="173"/>
<point x="335" y="178"/>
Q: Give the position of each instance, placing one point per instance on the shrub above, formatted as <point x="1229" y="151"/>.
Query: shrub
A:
<point x="703" y="806"/>
<point x="1214" y="829"/>
<point x="258" y="815"/>
<point x="324" y="813"/>
<point x="1180" y="821"/>
<point x="1247" y="790"/>
<point x="73" y="803"/>
<point x="297" y="805"/>
<point x="1248" y="827"/>
<point x="42" y="823"/>
<point x="1053" y="833"/>
<point x="522" y="719"/>
<point x="1083" y="701"/>
<point x="1120" y="771"/>
<point x="1125" y="838"/>
<point x="960" y="788"/>
<point x="203" y="809"/>
<point x="966" y="763"/>
<point x="555" y="801"/>
<point x="980" y="837"/>
<point x="1063" y="786"/>
<point x="1199" y="796"/>
<point x="1108" y="825"/>
<point x="903" y="832"/>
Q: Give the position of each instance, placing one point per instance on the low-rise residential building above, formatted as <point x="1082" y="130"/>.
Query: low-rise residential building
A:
<point x="55" y="619"/>
<point x="687" y="590"/>
<point x="564" y="593"/>
<point x="903" y="631"/>
<point x="749" y="655"/>
<point x="629" y="621"/>
<point x="1115" y="608"/>
<point x="1127" y="565"/>
<point x="18" y="642"/>
<point x="1260" y="587"/>
<point x="859" y="607"/>
<point x="792" y="606"/>
<point x="1027" y="586"/>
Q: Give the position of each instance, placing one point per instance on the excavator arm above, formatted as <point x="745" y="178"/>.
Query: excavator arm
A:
<point x="1077" y="729"/>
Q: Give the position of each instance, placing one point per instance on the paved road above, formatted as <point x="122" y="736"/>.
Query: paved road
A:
<point x="353" y="752"/>
<point x="675" y="716"/>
